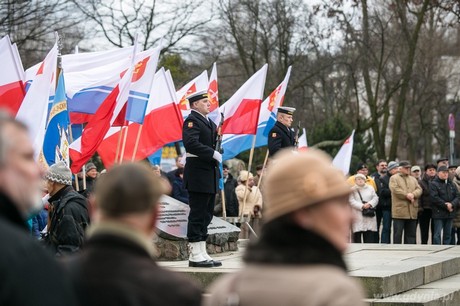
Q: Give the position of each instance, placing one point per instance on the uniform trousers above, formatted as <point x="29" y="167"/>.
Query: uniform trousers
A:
<point x="201" y="213"/>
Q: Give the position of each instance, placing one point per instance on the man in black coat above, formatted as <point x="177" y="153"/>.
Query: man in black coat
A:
<point x="281" y="135"/>
<point x="201" y="176"/>
<point x="231" y="201"/>
<point x="424" y="206"/>
<point x="117" y="266"/>
<point x="69" y="214"/>
<point x="29" y="274"/>
<point x="445" y="202"/>
<point x="383" y="184"/>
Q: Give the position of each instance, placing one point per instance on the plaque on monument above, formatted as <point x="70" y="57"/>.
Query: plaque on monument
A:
<point x="173" y="218"/>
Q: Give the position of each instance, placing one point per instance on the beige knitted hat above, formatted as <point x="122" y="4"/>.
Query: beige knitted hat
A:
<point x="301" y="179"/>
<point x="243" y="177"/>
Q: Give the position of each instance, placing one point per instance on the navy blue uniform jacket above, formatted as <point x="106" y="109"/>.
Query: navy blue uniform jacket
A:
<point x="201" y="173"/>
<point x="280" y="137"/>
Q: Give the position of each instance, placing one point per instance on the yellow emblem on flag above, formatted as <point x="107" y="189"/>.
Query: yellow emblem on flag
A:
<point x="190" y="124"/>
<point x="273" y="135"/>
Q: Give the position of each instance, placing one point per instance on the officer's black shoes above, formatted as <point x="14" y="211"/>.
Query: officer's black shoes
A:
<point x="201" y="264"/>
<point x="216" y="263"/>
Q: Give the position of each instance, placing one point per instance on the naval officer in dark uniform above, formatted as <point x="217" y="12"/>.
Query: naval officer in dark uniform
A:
<point x="281" y="135"/>
<point x="201" y="175"/>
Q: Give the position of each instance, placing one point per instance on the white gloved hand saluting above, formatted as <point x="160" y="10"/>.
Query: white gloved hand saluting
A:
<point x="217" y="156"/>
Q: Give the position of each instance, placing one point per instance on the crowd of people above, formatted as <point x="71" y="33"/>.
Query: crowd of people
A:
<point x="95" y="244"/>
<point x="402" y="198"/>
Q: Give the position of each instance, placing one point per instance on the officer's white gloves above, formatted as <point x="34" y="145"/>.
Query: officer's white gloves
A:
<point x="217" y="156"/>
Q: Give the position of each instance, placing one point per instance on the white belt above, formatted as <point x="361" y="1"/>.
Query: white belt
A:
<point x="191" y="155"/>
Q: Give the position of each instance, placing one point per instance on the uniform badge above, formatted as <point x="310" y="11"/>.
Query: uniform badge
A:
<point x="190" y="124"/>
<point x="273" y="135"/>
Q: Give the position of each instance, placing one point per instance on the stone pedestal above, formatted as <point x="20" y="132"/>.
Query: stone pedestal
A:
<point x="171" y="240"/>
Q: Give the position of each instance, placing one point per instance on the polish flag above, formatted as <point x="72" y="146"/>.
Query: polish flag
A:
<point x="34" y="108"/>
<point x="343" y="158"/>
<point x="199" y="83"/>
<point x="235" y="144"/>
<point x="213" y="96"/>
<point x="241" y="111"/>
<point x="303" y="145"/>
<point x="12" y="77"/>
<point x="162" y="125"/>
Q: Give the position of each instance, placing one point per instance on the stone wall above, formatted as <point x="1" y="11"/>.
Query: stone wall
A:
<point x="171" y="249"/>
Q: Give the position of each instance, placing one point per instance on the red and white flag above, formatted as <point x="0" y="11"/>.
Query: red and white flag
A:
<point x="200" y="83"/>
<point x="343" y="158"/>
<point x="83" y="148"/>
<point x="34" y="108"/>
<point x="162" y="125"/>
<point x="303" y="144"/>
<point x="11" y="77"/>
<point x="241" y="111"/>
<point x="213" y="96"/>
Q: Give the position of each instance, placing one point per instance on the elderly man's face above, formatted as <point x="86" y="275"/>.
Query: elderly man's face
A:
<point x="20" y="175"/>
<point x="285" y="119"/>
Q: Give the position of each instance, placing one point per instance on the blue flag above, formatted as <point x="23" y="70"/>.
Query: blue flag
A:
<point x="235" y="144"/>
<point x="56" y="135"/>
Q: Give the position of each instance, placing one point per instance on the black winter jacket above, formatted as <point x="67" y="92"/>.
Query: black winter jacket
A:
<point x="442" y="192"/>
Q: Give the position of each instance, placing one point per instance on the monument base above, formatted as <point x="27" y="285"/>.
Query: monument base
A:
<point x="171" y="242"/>
<point x="174" y="250"/>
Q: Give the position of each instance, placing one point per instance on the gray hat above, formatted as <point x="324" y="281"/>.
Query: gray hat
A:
<point x="442" y="168"/>
<point x="59" y="173"/>
<point x="392" y="165"/>
<point x="90" y="166"/>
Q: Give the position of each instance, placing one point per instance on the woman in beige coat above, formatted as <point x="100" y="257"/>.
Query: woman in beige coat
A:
<point x="364" y="227"/>
<point x="298" y="257"/>
<point x="251" y="209"/>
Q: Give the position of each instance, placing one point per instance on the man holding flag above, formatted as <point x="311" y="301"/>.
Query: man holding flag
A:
<point x="281" y="135"/>
<point x="201" y="176"/>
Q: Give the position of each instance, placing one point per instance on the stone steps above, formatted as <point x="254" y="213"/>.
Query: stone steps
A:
<point x="390" y="274"/>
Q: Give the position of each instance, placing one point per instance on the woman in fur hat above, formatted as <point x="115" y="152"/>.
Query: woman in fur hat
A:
<point x="363" y="198"/>
<point x="297" y="259"/>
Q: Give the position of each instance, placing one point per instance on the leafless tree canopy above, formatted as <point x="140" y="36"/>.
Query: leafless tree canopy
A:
<point x="120" y="20"/>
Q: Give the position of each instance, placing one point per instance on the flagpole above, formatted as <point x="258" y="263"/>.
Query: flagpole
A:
<point x="84" y="176"/>
<point x="259" y="183"/>
<point x="117" y="152"/>
<point x="137" y="143"/>
<point x="77" y="185"/>
<point x="125" y="137"/>
<point x="251" y="155"/>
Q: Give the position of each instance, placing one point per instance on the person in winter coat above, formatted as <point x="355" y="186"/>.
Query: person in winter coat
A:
<point x="456" y="223"/>
<point x="117" y="266"/>
<point x="405" y="192"/>
<point x="425" y="212"/>
<point x="69" y="215"/>
<point x="29" y="274"/>
<point x="444" y="201"/>
<point x="363" y="197"/>
<point x="251" y="208"/>
<point x="178" y="190"/>
<point x="298" y="258"/>
<point x="231" y="201"/>
<point x="385" y="200"/>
